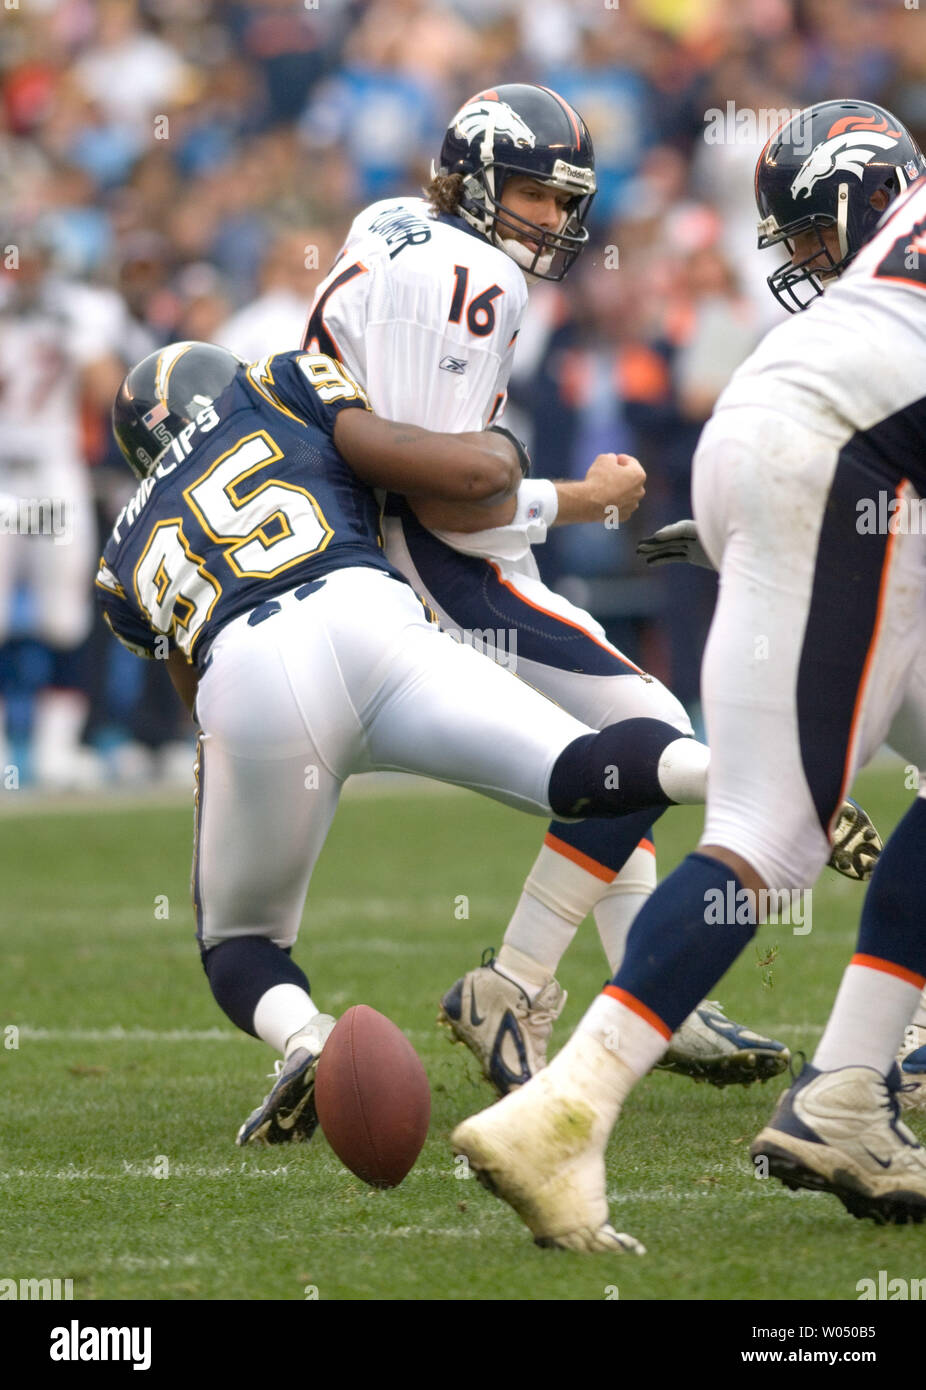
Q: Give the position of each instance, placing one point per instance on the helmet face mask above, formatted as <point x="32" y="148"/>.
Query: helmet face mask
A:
<point x="797" y="283"/>
<point x="527" y="131"/>
<point x="836" y="165"/>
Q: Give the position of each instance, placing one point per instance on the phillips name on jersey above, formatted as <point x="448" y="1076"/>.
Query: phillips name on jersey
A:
<point x="251" y="500"/>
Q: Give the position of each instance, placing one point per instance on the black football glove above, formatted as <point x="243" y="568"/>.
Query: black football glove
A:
<point x="675" y="544"/>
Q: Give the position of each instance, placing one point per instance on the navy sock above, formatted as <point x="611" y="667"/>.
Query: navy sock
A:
<point x="242" y="969"/>
<point x="612" y="772"/>
<point x="609" y="842"/>
<point x="893" y="925"/>
<point x="685" y="937"/>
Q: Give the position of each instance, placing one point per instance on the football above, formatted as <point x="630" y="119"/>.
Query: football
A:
<point x="373" y="1098"/>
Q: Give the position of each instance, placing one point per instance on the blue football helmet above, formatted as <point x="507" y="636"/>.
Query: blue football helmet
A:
<point x="522" y="129"/>
<point x="822" y="169"/>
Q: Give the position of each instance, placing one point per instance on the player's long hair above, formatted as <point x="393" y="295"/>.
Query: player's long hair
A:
<point x="444" y="192"/>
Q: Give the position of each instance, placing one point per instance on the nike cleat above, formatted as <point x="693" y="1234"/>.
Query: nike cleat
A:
<point x="541" y="1150"/>
<point x="911" y="1062"/>
<point x="856" y="843"/>
<point x="840" y="1132"/>
<point x="288" y="1115"/>
<point x="496" y="1020"/>
<point x="711" y="1047"/>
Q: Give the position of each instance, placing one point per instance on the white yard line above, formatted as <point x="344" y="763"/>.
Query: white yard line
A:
<point x="29" y="801"/>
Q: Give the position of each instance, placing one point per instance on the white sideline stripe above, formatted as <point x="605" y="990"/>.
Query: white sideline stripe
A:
<point x="119" y="1034"/>
<point x="243" y="1168"/>
<point x="32" y="801"/>
<point x="116" y="1033"/>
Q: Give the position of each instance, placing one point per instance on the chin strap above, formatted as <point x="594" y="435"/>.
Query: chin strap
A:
<point x="842" y="215"/>
<point x="534" y="267"/>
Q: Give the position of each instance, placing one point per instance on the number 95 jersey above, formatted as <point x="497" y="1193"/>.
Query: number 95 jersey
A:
<point x="251" y="502"/>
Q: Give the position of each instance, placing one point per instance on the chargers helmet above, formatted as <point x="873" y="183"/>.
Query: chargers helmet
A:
<point x="821" y="169"/>
<point x="522" y="129"/>
<point x="164" y="395"/>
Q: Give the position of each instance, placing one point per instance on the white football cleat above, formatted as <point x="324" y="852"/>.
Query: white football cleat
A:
<point x="840" y="1132"/>
<point x="541" y="1150"/>
<point x="496" y="1020"/>
<point x="708" y="1046"/>
<point x="911" y="1061"/>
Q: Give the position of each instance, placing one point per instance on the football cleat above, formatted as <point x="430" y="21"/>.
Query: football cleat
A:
<point x="856" y="843"/>
<point x="711" y="1047"/>
<point x="496" y="1020"/>
<point x="840" y="1132"/>
<point x="541" y="1149"/>
<point x="911" y="1062"/>
<point x="287" y="1115"/>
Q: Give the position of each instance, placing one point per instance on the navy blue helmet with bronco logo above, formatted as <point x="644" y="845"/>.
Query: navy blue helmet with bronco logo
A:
<point x="522" y="129"/>
<point x="837" y="164"/>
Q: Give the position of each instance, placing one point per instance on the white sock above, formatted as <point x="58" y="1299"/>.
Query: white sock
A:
<point x="282" y="1011"/>
<point x="527" y="972"/>
<point x="622" y="900"/>
<point x="866" y="1026"/>
<point x="919" y="1018"/>
<point x="587" y="1065"/>
<point x="559" y="893"/>
<point x="625" y="1033"/>
<point x="682" y="771"/>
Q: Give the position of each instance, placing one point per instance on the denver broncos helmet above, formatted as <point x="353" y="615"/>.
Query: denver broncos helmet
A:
<point x="164" y="395"/>
<point x="522" y="129"/>
<point x="821" y="169"/>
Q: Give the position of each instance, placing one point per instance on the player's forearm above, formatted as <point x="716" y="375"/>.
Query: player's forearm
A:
<point x="477" y="469"/>
<point x="577" y="504"/>
<point x="461" y="516"/>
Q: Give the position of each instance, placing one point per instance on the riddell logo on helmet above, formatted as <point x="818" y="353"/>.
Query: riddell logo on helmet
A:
<point x="574" y="174"/>
<point x="849" y="152"/>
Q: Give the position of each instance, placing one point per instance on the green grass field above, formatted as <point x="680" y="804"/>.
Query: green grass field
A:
<point x="126" y="1070"/>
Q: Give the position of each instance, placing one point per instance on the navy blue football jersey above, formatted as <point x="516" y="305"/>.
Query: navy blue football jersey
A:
<point x="251" y="503"/>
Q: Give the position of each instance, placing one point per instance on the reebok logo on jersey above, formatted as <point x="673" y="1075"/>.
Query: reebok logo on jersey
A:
<point x="453" y="364"/>
<point x="849" y="151"/>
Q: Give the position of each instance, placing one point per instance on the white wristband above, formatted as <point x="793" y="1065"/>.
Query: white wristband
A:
<point x="537" y="502"/>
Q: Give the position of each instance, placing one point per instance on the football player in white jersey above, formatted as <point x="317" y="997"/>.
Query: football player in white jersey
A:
<point x="57" y="352"/>
<point x="424" y="306"/>
<point x="808" y="489"/>
<point x="802" y="206"/>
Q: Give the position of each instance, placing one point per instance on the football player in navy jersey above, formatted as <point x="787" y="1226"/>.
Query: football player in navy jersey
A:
<point x="250" y="560"/>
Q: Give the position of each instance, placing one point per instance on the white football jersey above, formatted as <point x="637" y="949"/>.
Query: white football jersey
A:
<point x="425" y="315"/>
<point x="857" y="354"/>
<point x="43" y="349"/>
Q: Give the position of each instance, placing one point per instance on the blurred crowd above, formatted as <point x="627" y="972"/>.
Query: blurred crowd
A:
<point x="187" y="168"/>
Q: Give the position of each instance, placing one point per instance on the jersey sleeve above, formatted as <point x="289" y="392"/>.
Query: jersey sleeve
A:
<point x="310" y="386"/>
<point x="431" y="340"/>
<point x="121" y="618"/>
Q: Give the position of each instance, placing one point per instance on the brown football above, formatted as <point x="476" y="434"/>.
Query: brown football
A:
<point x="372" y="1096"/>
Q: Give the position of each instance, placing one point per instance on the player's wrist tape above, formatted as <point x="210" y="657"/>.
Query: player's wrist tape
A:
<point x="524" y="458"/>
<point x="538" y="501"/>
